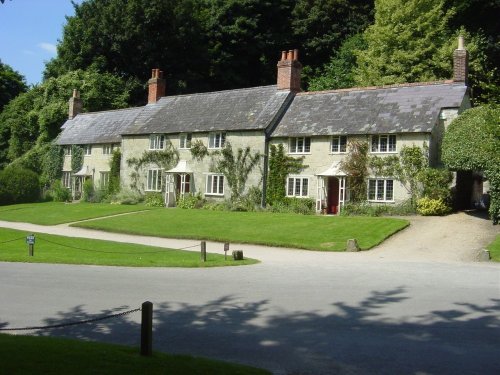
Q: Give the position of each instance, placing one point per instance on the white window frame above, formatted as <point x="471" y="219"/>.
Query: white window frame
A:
<point x="185" y="141"/>
<point x="214" y="184"/>
<point x="154" y="180"/>
<point x="107" y="149"/>
<point x="104" y="179"/>
<point x="383" y="144"/>
<point x="295" y="185"/>
<point x="338" y="144"/>
<point x="379" y="187"/>
<point x="216" y="140"/>
<point x="157" y="142"/>
<point x="66" y="179"/>
<point x="87" y="150"/>
<point x="299" y="145"/>
<point x="67" y="150"/>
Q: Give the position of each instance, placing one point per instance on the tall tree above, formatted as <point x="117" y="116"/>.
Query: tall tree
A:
<point x="11" y="84"/>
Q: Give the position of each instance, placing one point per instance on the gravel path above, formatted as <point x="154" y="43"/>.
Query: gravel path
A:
<point x="454" y="238"/>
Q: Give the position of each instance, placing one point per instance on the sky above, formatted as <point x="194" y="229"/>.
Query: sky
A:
<point x="29" y="32"/>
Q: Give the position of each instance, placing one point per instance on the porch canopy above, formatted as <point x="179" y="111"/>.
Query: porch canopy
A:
<point x="85" y="171"/>
<point x="181" y="167"/>
<point x="183" y="172"/>
<point x="333" y="171"/>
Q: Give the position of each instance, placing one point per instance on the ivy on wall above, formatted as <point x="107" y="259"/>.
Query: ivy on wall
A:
<point x="76" y="158"/>
<point x="114" y="172"/>
<point x="355" y="166"/>
<point x="52" y="164"/>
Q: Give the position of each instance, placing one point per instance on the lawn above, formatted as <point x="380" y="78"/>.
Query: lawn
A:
<point x="25" y="355"/>
<point x="67" y="250"/>
<point x="494" y="249"/>
<point x="51" y="213"/>
<point x="288" y="230"/>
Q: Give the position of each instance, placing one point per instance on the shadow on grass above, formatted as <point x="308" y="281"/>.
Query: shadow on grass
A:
<point x="355" y="339"/>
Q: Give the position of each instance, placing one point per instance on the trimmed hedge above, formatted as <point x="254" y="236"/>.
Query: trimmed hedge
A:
<point x="18" y="185"/>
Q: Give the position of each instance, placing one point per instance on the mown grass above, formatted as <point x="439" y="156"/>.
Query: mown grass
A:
<point x="67" y="250"/>
<point x="288" y="230"/>
<point x="51" y="213"/>
<point x="25" y="355"/>
<point x="494" y="249"/>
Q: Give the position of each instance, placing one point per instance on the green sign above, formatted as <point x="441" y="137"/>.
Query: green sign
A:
<point x="30" y="240"/>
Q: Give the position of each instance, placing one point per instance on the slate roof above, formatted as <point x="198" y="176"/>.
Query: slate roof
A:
<point x="243" y="109"/>
<point x="398" y="109"/>
<point x="97" y="127"/>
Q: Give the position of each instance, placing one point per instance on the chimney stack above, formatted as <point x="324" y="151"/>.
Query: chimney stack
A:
<point x="156" y="85"/>
<point x="289" y="69"/>
<point x="75" y="104"/>
<point x="460" y="62"/>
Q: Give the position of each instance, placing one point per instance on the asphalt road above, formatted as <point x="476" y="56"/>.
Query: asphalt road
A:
<point x="333" y="315"/>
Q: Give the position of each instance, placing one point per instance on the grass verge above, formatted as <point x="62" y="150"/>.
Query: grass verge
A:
<point x="288" y="230"/>
<point x="494" y="249"/>
<point x="48" y="355"/>
<point x="52" y="213"/>
<point x="67" y="250"/>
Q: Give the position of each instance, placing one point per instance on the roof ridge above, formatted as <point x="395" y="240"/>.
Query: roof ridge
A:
<point x="109" y="110"/>
<point x="369" y="88"/>
<point x="216" y="92"/>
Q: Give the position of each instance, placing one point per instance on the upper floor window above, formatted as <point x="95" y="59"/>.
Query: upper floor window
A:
<point x="384" y="143"/>
<point x="216" y="140"/>
<point x="380" y="190"/>
<point x="185" y="140"/>
<point x="156" y="142"/>
<point x="297" y="187"/>
<point x="215" y="184"/>
<point x="339" y="144"/>
<point x="67" y="150"/>
<point x="87" y="149"/>
<point x="154" y="180"/>
<point x="107" y="149"/>
<point x="300" y="145"/>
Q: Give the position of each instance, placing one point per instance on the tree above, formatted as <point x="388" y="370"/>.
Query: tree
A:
<point x="472" y="143"/>
<point x="18" y="185"/>
<point x="11" y="84"/>
<point x="34" y="118"/>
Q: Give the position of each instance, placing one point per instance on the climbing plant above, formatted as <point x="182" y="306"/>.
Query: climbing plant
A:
<point x="236" y="167"/>
<point x="114" y="172"/>
<point x="198" y="150"/>
<point x="52" y="164"/>
<point x="280" y="166"/>
<point x="355" y="166"/>
<point x="76" y="158"/>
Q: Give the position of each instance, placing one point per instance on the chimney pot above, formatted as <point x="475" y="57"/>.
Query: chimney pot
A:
<point x="283" y="55"/>
<point x="156" y="85"/>
<point x="290" y="55"/>
<point x="461" y="43"/>
<point x="295" y="54"/>
<point x="75" y="104"/>
<point x="289" y="69"/>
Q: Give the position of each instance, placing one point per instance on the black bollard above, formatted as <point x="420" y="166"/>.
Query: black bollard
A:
<point x="147" y="329"/>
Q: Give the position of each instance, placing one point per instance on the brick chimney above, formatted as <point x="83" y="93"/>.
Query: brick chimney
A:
<point x="156" y="85"/>
<point x="289" y="69"/>
<point x="460" y="62"/>
<point x="75" y="104"/>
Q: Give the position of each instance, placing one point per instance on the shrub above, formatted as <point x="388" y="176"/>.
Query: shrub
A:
<point x="190" y="201"/>
<point x="88" y="191"/>
<point x="59" y="193"/>
<point x="18" y="185"/>
<point x="432" y="207"/>
<point x="304" y="206"/>
<point x="127" y="196"/>
<point x="154" y="200"/>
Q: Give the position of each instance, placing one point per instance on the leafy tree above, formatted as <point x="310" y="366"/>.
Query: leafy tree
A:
<point x="355" y="165"/>
<point x="11" y="84"/>
<point x="236" y="167"/>
<point x="34" y="118"/>
<point x="18" y="185"/>
<point x="280" y="166"/>
<point x="472" y="143"/>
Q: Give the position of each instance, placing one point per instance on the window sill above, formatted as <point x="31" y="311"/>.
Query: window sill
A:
<point x="299" y="153"/>
<point x="377" y="201"/>
<point x="298" y="196"/>
<point x="213" y="195"/>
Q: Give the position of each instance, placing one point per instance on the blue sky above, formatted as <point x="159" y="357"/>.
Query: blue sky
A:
<point x="29" y="32"/>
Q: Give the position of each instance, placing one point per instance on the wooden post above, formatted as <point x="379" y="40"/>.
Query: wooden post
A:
<point x="31" y="249"/>
<point x="147" y="329"/>
<point x="203" y="251"/>
<point x="226" y="249"/>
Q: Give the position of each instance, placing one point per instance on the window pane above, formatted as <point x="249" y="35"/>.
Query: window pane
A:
<point x="293" y="145"/>
<point x="297" y="186"/>
<point x="305" y="187"/>
<point x="209" y="184"/>
<point x="389" y="190"/>
<point x="343" y="144"/>
<point x="290" y="186"/>
<point x="371" y="189"/>
<point x="307" y="144"/>
<point x="221" y="184"/>
<point x="223" y="140"/>
<point x="300" y="144"/>
<point x="383" y="143"/>
<point x="380" y="190"/>
<point x="374" y="143"/>
<point x="214" y="184"/>
<point x="392" y="143"/>
<point x="335" y="144"/>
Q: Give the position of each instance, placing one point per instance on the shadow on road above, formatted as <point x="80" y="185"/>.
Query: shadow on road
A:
<point x="356" y="339"/>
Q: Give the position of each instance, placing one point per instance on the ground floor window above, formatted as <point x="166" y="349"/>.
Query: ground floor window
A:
<point x="298" y="187"/>
<point x="215" y="184"/>
<point x="380" y="190"/>
<point x="154" y="180"/>
<point x="66" y="180"/>
<point x="104" y="181"/>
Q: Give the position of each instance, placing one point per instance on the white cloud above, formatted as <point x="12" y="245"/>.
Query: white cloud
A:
<point x="48" y="47"/>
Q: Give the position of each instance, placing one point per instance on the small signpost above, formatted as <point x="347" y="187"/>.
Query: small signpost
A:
<point x="203" y="251"/>
<point x="226" y="249"/>
<point x="30" y="240"/>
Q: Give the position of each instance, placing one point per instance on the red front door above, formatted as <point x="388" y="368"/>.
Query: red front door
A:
<point x="333" y="195"/>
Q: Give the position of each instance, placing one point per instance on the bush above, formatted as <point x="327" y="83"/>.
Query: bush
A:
<point x="304" y="206"/>
<point x="190" y="201"/>
<point x="374" y="209"/>
<point x="59" y="193"/>
<point x="432" y="207"/>
<point x="88" y="191"/>
<point x="126" y="196"/>
<point x="154" y="200"/>
<point x="18" y="185"/>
